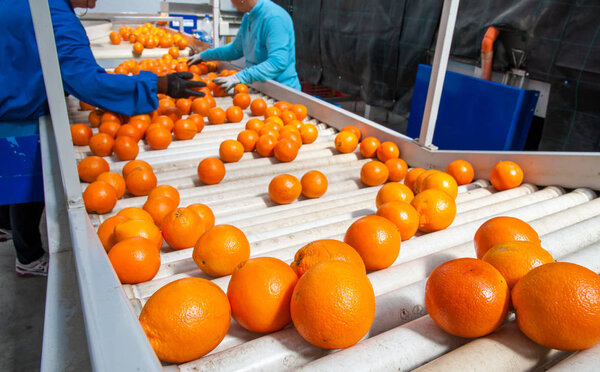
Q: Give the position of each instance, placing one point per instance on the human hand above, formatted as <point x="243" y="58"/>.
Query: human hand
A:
<point x="227" y="83"/>
<point x="179" y="84"/>
<point x="195" y="59"/>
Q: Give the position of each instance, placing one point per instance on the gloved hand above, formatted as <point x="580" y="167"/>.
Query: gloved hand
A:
<point x="178" y="85"/>
<point x="195" y="59"/>
<point x="227" y="83"/>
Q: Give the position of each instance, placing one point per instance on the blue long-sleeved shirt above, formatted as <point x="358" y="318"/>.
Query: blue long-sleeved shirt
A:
<point x="23" y="95"/>
<point x="266" y="39"/>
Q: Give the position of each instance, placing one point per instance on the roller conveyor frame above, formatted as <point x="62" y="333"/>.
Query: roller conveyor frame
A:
<point x="88" y="310"/>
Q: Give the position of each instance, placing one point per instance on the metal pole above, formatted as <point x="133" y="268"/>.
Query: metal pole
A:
<point x="216" y="23"/>
<point x="438" y="73"/>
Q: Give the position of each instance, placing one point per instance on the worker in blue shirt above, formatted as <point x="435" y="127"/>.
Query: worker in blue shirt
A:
<point x="265" y="39"/>
<point x="23" y="99"/>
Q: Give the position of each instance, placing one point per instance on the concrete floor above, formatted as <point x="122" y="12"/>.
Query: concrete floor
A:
<point x="22" y="302"/>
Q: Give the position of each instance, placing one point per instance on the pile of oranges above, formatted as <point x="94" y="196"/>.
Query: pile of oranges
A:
<point x="148" y="36"/>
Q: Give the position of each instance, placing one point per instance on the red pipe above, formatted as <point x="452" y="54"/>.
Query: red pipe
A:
<point x="487" y="52"/>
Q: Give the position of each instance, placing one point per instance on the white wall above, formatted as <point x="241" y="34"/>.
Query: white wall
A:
<point x="144" y="6"/>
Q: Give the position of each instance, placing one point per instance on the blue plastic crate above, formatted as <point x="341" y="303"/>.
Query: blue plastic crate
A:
<point x="474" y="114"/>
<point x="189" y="22"/>
<point x="21" y="178"/>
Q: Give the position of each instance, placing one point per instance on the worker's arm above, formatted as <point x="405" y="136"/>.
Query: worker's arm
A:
<point x="85" y="79"/>
<point x="229" y="52"/>
<point x="277" y="43"/>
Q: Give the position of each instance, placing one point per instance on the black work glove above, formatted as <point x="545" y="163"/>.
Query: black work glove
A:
<point x="178" y="85"/>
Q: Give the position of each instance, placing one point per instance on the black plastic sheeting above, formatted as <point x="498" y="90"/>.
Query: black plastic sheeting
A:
<point x="371" y="49"/>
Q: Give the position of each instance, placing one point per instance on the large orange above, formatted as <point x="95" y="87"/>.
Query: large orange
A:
<point x="81" y="134"/>
<point x="140" y="181"/>
<point x="216" y="115"/>
<point x="502" y="229"/>
<point x="106" y="231"/>
<point x="421" y="178"/>
<point x="133" y="164"/>
<point x="205" y="213"/>
<point x="101" y="144"/>
<point x="258" y="107"/>
<point x="115" y="180"/>
<point x="240" y="88"/>
<point x="198" y="120"/>
<point x="558" y="306"/>
<point x="200" y="106"/>
<point x="231" y="151"/>
<point x="99" y="197"/>
<point x="516" y="258"/>
<point x="158" y="137"/>
<point x="135" y="213"/>
<point x="411" y="177"/>
<point x="353" y="129"/>
<point x="368" y="147"/>
<point x="436" y="210"/>
<point x="186" y="319"/>
<point x="211" y="171"/>
<point x="110" y="127"/>
<point x="506" y="175"/>
<point x="309" y="133"/>
<point x="248" y="139"/>
<point x="393" y="191"/>
<point x="286" y="150"/>
<point x="265" y="145"/>
<point x="89" y="168"/>
<point x="185" y="129"/>
<point x="398" y="169"/>
<point x="284" y="189"/>
<point x="255" y="124"/>
<point x="441" y="181"/>
<point x="300" y="111"/>
<point x="159" y="207"/>
<point x="234" y="114"/>
<point x="403" y="215"/>
<point x="221" y="249"/>
<point x="314" y="184"/>
<point x="333" y="305"/>
<point x="461" y="170"/>
<point x="126" y="148"/>
<point x="241" y="100"/>
<point x="387" y="150"/>
<point x="130" y="130"/>
<point x="181" y="228"/>
<point x="135" y="260"/>
<point x="374" y="173"/>
<point x="141" y="229"/>
<point x="325" y="250"/>
<point x="259" y="292"/>
<point x="467" y="297"/>
<point x="376" y="239"/>
<point x="346" y="142"/>
<point x="165" y="190"/>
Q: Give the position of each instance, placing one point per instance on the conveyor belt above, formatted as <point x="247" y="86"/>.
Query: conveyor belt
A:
<point x="402" y="337"/>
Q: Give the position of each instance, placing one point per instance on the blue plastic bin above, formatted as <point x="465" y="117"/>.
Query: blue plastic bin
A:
<point x="474" y="114"/>
<point x="189" y="22"/>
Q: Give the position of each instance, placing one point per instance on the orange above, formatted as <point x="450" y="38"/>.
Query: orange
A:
<point x="115" y="180"/>
<point x="135" y="213"/>
<point x="325" y="250"/>
<point x="182" y="44"/>
<point x="216" y="115"/>
<point x="158" y="137"/>
<point x="309" y="133"/>
<point x="140" y="126"/>
<point x="174" y="52"/>
<point x="221" y="249"/>
<point x="284" y="189"/>
<point x="441" y="181"/>
<point x="467" y="297"/>
<point x="86" y="106"/>
<point x="81" y="134"/>
<point x="129" y="130"/>
<point x="436" y="210"/>
<point x="265" y="145"/>
<point x="259" y="292"/>
<point x="198" y="120"/>
<point x="387" y="150"/>
<point x="159" y="207"/>
<point x="165" y="190"/>
<point x="557" y="306"/>
<point x="286" y="150"/>
<point x="277" y="122"/>
<point x="99" y="197"/>
<point x="506" y="175"/>
<point x="271" y="111"/>
<point x="376" y="239"/>
<point x="106" y="231"/>
<point x="135" y="260"/>
<point x="133" y="164"/>
<point x="258" y="107"/>
<point x="231" y="151"/>
<point x="196" y="303"/>
<point x="291" y="134"/>
<point x="241" y="100"/>
<point x="346" y="142"/>
<point x="514" y="259"/>
<point x="393" y="191"/>
<point x="234" y="114"/>
<point x="282" y="105"/>
<point x="353" y="129"/>
<point x="502" y="229"/>
<point x="109" y="127"/>
<point x="181" y="228"/>
<point x="115" y="38"/>
<point x="248" y="139"/>
<point x="126" y="148"/>
<point x="138" y="48"/>
<point x="333" y="305"/>
<point x="140" y="181"/>
<point x="141" y="229"/>
<point x="89" y="168"/>
<point x="240" y="88"/>
<point x="101" y="144"/>
<point x="462" y="171"/>
<point x="369" y="146"/>
<point x="95" y="118"/>
<point x="287" y="116"/>
<point x="205" y="213"/>
<point x="300" y="111"/>
<point x="211" y="171"/>
<point x="374" y="173"/>
<point x="403" y="215"/>
<point x="200" y="106"/>
<point x="185" y="129"/>
<point x="296" y="124"/>
<point x="255" y="124"/>
<point x="314" y="184"/>
<point x="419" y="181"/>
<point x="411" y="177"/>
<point x="165" y="121"/>
<point x="397" y="168"/>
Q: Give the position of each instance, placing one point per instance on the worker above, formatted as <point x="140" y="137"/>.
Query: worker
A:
<point x="23" y="99"/>
<point x="265" y="39"/>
